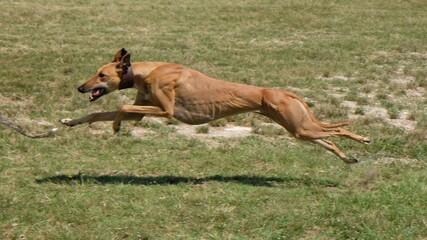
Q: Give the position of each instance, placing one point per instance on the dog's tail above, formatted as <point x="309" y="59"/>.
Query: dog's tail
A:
<point x="313" y="118"/>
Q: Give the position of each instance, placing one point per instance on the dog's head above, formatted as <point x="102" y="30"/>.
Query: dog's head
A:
<point x="110" y="77"/>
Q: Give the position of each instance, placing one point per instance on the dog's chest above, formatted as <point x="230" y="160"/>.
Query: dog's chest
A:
<point x="145" y="95"/>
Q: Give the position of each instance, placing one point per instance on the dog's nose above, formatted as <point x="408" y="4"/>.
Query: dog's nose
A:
<point x="81" y="89"/>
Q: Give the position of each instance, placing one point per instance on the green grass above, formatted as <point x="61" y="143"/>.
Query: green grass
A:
<point x="87" y="183"/>
<point x="202" y="129"/>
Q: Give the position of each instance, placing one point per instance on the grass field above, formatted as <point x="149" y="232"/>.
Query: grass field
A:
<point x="359" y="60"/>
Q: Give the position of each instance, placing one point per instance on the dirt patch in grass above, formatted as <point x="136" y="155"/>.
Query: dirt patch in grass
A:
<point x="395" y="109"/>
<point x="393" y="90"/>
<point x="11" y="102"/>
<point x="356" y="112"/>
<point x="228" y="131"/>
<point x="406" y="161"/>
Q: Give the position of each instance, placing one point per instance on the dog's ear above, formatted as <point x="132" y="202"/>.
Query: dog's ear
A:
<point x="119" y="55"/>
<point x="124" y="63"/>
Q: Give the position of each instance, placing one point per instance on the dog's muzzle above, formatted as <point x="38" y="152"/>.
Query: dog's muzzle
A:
<point x="96" y="92"/>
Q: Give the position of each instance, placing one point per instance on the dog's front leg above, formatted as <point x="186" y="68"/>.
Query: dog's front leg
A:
<point x="127" y="110"/>
<point x="98" y="117"/>
<point x="94" y="117"/>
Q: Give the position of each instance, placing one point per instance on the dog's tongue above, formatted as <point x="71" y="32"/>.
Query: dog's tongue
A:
<point x="96" y="92"/>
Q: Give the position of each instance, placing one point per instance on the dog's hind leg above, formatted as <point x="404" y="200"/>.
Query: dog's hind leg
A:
<point x="345" y="133"/>
<point x="292" y="113"/>
<point x="333" y="148"/>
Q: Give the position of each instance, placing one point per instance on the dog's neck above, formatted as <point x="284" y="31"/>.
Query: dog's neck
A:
<point x="127" y="80"/>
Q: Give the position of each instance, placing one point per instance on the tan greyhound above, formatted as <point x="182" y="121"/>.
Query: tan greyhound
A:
<point x="175" y="91"/>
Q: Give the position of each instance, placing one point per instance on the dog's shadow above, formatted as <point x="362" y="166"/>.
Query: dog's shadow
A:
<point x="261" y="181"/>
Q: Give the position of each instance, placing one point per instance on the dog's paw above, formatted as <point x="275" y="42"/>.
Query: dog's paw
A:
<point x="67" y="122"/>
<point x="366" y="141"/>
<point x="116" y="126"/>
<point x="351" y="160"/>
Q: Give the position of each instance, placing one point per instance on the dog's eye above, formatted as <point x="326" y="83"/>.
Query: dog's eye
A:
<point x="101" y="75"/>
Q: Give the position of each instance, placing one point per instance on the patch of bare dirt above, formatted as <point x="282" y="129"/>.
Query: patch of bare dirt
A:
<point x="337" y="77"/>
<point x="400" y="92"/>
<point x="228" y="131"/>
<point x="416" y="93"/>
<point x="406" y="161"/>
<point x="402" y="121"/>
<point x="374" y="109"/>
<point x="10" y="102"/>
<point x="275" y="42"/>
<point x="39" y="122"/>
<point x="140" y="132"/>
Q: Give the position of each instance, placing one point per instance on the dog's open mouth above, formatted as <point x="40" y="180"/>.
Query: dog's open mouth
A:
<point x="97" y="93"/>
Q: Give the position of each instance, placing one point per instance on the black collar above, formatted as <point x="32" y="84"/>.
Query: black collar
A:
<point x="128" y="79"/>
